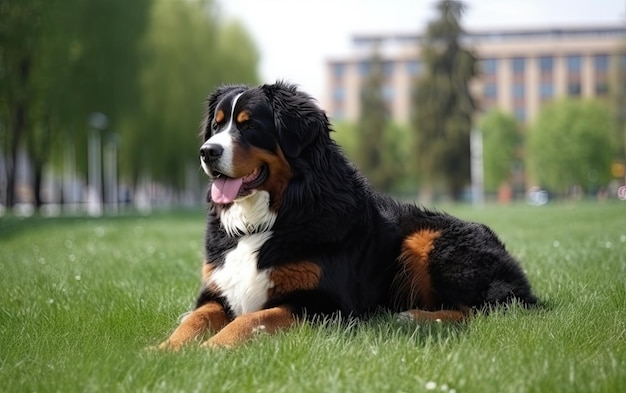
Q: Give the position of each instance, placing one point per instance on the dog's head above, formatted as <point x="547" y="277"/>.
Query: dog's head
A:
<point x="251" y="136"/>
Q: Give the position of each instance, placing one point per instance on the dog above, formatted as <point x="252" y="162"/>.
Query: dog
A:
<point x="294" y="231"/>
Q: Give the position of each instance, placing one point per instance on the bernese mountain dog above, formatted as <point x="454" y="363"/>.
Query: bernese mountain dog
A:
<point x="294" y="231"/>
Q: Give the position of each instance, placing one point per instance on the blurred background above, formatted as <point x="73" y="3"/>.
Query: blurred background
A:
<point x="476" y="101"/>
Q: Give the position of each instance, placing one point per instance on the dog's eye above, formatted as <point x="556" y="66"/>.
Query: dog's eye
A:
<point x="214" y="126"/>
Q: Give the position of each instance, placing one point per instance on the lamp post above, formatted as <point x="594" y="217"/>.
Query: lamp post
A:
<point x="97" y="122"/>
<point x="477" y="169"/>
<point x="110" y="172"/>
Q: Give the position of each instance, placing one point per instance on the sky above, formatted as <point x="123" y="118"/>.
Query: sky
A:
<point x="297" y="37"/>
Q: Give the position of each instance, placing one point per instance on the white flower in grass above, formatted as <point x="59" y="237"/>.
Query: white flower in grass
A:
<point x="556" y="244"/>
<point x="431" y="385"/>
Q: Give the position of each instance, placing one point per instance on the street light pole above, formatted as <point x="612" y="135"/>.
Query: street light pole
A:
<point x="97" y="122"/>
<point x="110" y="173"/>
<point x="476" y="166"/>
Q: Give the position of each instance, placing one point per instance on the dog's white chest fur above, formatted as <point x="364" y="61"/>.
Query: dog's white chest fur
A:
<point x="240" y="282"/>
<point x="249" y="215"/>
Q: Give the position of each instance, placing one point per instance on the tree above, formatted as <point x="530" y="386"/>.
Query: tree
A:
<point x="61" y="60"/>
<point x="617" y="90"/>
<point x="443" y="105"/>
<point x="371" y="127"/>
<point x="149" y="71"/>
<point x="571" y="144"/>
<point x="187" y="53"/>
<point x="19" y="32"/>
<point x="501" y="144"/>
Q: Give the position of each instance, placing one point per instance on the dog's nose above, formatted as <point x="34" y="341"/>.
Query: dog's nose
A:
<point x="211" y="151"/>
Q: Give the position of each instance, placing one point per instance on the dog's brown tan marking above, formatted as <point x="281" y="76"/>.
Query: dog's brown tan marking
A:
<point x="208" y="318"/>
<point x="280" y="176"/>
<point x="207" y="270"/>
<point x="414" y="258"/>
<point x="247" y="325"/>
<point x="441" y="315"/>
<point x="249" y="159"/>
<point x="243" y="116"/>
<point x="219" y="116"/>
<point x="294" y="277"/>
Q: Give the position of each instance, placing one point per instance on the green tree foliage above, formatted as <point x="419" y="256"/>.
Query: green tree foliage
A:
<point x="443" y="105"/>
<point x="571" y="144"/>
<point x="148" y="66"/>
<point x="501" y="145"/>
<point x="371" y="127"/>
<point x="61" y="60"/>
<point x="617" y="90"/>
<point x="394" y="156"/>
<point x="187" y="53"/>
<point x="19" y="32"/>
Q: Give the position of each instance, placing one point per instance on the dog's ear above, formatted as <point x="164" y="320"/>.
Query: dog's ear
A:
<point x="211" y="104"/>
<point x="298" y="120"/>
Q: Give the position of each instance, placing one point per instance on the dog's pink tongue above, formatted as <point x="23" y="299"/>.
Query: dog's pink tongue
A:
<point x="225" y="190"/>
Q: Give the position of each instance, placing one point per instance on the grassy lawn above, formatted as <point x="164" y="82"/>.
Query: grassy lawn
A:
<point x="81" y="299"/>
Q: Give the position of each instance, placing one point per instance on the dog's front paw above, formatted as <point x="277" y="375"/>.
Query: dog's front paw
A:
<point x="220" y="341"/>
<point x="167" y="345"/>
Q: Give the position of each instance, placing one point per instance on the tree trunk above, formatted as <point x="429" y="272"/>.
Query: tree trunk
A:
<point x="18" y="129"/>
<point x="37" y="182"/>
<point x="19" y="122"/>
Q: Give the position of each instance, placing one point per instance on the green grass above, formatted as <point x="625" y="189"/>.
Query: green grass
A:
<point x="82" y="298"/>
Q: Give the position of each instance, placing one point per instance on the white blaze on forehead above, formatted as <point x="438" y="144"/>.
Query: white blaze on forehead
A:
<point x="232" y="113"/>
<point x="224" y="139"/>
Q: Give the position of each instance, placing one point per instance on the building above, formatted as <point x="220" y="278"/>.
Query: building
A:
<point x="519" y="69"/>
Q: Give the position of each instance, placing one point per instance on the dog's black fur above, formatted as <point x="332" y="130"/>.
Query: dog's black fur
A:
<point x="328" y="241"/>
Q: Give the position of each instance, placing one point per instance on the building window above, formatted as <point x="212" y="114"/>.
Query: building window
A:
<point x="574" y="63"/>
<point x="489" y="66"/>
<point x="546" y="90"/>
<point x="518" y="64"/>
<point x="339" y="70"/>
<point x="387" y="92"/>
<point x="518" y="90"/>
<point x="388" y="68"/>
<point x="546" y="64"/>
<point x="490" y="90"/>
<point x="364" y="67"/>
<point x="338" y="114"/>
<point x="414" y="67"/>
<point x="573" y="89"/>
<point x="602" y="88"/>
<point x="411" y="92"/>
<point x="520" y="114"/>
<point x="339" y="94"/>
<point x="601" y="63"/>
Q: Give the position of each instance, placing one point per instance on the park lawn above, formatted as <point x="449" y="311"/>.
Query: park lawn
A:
<point x="82" y="299"/>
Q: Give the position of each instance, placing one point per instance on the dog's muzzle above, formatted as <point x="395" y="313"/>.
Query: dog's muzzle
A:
<point x="211" y="152"/>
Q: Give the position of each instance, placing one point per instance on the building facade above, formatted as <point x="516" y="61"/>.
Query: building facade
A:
<point x="519" y="69"/>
